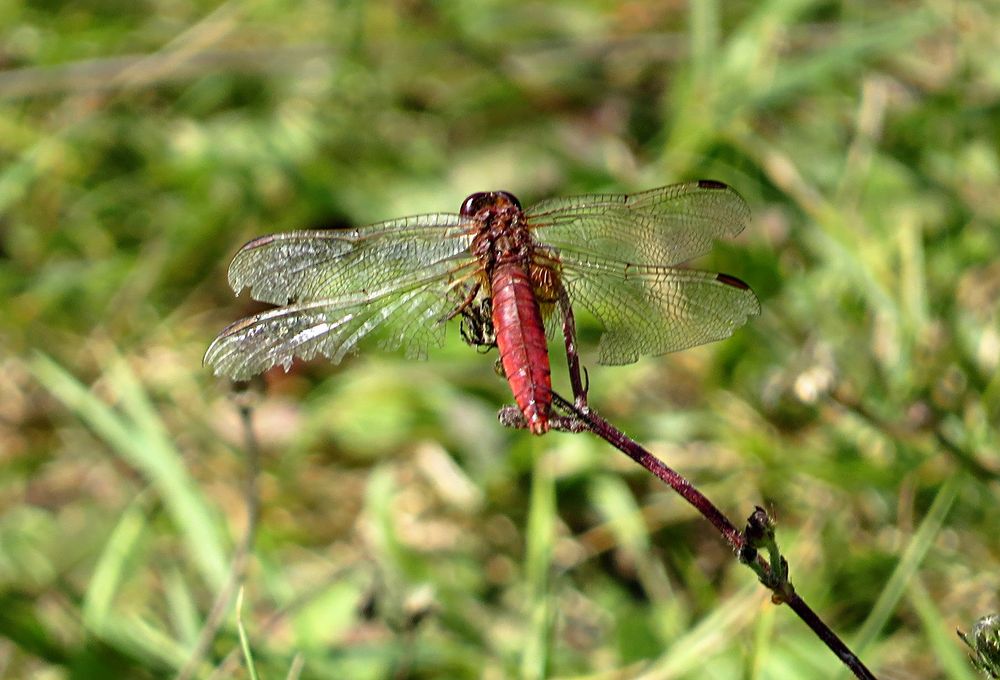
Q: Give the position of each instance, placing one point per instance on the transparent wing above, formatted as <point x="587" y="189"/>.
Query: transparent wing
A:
<point x="338" y="286"/>
<point x="648" y="310"/>
<point x="412" y="318"/>
<point x="660" y="227"/>
<point x="312" y="265"/>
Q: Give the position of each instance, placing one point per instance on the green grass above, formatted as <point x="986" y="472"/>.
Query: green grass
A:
<point x="402" y="532"/>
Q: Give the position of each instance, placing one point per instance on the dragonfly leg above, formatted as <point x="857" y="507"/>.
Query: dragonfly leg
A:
<point x="572" y="356"/>
<point x="511" y="416"/>
<point x="477" y="326"/>
<point x="461" y="307"/>
<point x="567" y="424"/>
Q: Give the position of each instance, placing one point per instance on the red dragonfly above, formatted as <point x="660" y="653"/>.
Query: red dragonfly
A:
<point x="505" y="271"/>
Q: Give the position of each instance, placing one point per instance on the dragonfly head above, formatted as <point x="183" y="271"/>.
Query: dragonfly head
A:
<point x="493" y="201"/>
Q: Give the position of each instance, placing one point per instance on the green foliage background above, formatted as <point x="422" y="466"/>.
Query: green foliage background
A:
<point x="402" y="532"/>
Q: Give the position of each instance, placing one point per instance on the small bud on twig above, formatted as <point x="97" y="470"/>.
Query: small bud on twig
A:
<point x="985" y="644"/>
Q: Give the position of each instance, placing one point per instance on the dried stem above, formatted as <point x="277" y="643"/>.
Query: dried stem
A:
<point x="772" y="572"/>
<point x="237" y="567"/>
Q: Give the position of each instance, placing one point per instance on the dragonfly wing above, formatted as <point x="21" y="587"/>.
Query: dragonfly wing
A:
<point x="662" y="227"/>
<point x="306" y="266"/>
<point x="337" y="286"/>
<point x="411" y="318"/>
<point x="649" y="310"/>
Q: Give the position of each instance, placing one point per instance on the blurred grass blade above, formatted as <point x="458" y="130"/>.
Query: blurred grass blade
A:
<point x="613" y="498"/>
<point x="295" y="670"/>
<point x="112" y="565"/>
<point x="540" y="535"/>
<point x="142" y="443"/>
<point x="182" y="608"/>
<point x="704" y="29"/>
<point x="856" y="47"/>
<point x="711" y="636"/>
<point x="143" y="639"/>
<point x="763" y="641"/>
<point x="244" y="640"/>
<point x="718" y="86"/>
<point x="951" y="658"/>
<point x="380" y="493"/>
<point x="914" y="554"/>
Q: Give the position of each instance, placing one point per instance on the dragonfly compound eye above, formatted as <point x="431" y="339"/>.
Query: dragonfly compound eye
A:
<point x="474" y="203"/>
<point x="510" y="197"/>
<point x="488" y="199"/>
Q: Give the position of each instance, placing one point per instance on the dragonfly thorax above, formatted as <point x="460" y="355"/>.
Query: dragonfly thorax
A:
<point x="500" y="233"/>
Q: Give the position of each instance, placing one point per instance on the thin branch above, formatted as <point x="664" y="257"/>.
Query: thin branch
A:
<point x="237" y="569"/>
<point x="773" y="573"/>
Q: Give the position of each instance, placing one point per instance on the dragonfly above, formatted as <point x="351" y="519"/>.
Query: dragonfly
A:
<point x="513" y="275"/>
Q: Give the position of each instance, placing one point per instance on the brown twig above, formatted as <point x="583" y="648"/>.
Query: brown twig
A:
<point x="772" y="572"/>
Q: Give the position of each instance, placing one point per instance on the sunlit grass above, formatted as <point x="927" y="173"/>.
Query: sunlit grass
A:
<point x="402" y="532"/>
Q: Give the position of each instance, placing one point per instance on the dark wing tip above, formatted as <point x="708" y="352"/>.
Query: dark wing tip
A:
<point x="711" y="184"/>
<point x="732" y="281"/>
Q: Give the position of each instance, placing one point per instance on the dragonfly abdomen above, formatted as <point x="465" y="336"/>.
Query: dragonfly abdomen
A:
<point x="520" y="336"/>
